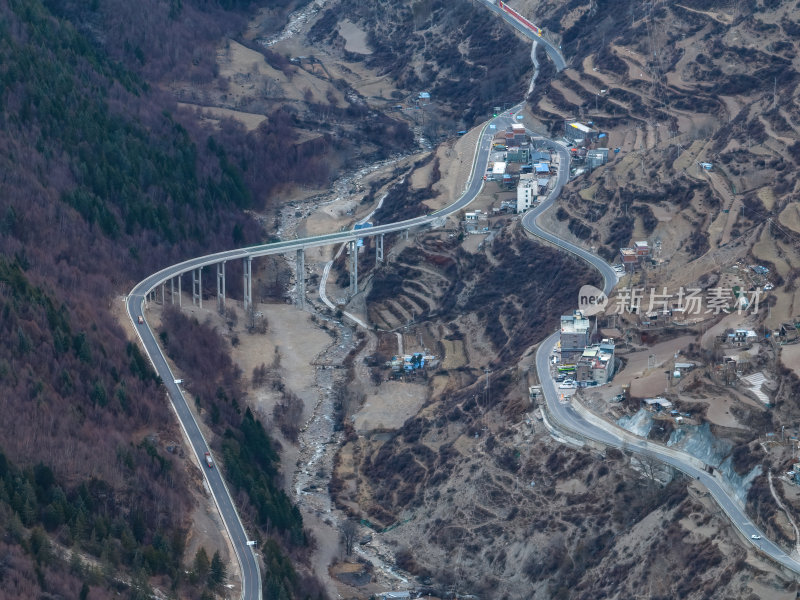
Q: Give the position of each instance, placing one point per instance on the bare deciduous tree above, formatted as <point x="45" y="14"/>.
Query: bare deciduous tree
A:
<point x="232" y="318"/>
<point x="260" y="375"/>
<point x="349" y="531"/>
<point x="654" y="472"/>
<point x="288" y="415"/>
<point x="256" y="321"/>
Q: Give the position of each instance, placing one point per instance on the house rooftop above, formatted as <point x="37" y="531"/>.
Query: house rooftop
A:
<point x="663" y="402"/>
<point x="581" y="127"/>
<point x="574" y="323"/>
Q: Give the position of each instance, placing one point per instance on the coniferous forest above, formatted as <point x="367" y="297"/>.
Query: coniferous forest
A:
<point x="101" y="183"/>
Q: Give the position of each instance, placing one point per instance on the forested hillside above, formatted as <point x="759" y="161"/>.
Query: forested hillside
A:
<point x="101" y="184"/>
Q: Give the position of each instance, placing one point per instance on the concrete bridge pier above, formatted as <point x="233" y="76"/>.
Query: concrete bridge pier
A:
<point x="353" y="268"/>
<point x="180" y="296"/>
<point x="247" y="269"/>
<point x="300" y="277"/>
<point x="172" y="290"/>
<point x="221" y="287"/>
<point x="197" y="287"/>
<point x="405" y="234"/>
<point x="379" y="249"/>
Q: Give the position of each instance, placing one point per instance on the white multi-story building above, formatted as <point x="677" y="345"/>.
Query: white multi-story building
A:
<point x="527" y="191"/>
<point x="575" y="332"/>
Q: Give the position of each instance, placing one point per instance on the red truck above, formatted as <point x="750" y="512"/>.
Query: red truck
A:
<point x="209" y="462"/>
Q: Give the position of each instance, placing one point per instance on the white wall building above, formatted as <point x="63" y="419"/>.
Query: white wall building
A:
<point x="527" y="191"/>
<point x="575" y="333"/>
<point x="498" y="170"/>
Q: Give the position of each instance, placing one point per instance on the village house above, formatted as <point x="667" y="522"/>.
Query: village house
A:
<point x="657" y="404"/>
<point x="596" y="158"/>
<point x="595" y="366"/>
<point x="475" y="221"/>
<point x="628" y="258"/>
<point x="741" y="337"/>
<point x="642" y="250"/>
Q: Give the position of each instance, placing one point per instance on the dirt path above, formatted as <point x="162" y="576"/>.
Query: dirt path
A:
<point x="796" y="552"/>
<point x="569" y="95"/>
<point x="719" y="17"/>
<point x="788" y="141"/>
<point x="576" y="77"/>
<point x="424" y="269"/>
<point x="730" y="221"/>
<point x="718" y="225"/>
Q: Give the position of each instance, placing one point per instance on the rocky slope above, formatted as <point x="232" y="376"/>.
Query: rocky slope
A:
<point x="475" y="496"/>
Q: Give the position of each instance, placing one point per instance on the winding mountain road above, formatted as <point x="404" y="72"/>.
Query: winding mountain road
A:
<point x="568" y="418"/>
<point x="564" y="415"/>
<point x="599" y="430"/>
<point x="551" y="49"/>
<point x="251" y="579"/>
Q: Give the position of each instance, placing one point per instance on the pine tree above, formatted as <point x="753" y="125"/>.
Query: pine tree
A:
<point x="216" y="575"/>
<point x="201" y="564"/>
